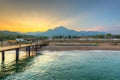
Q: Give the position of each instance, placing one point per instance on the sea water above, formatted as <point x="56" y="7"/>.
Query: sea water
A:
<point x="67" y="65"/>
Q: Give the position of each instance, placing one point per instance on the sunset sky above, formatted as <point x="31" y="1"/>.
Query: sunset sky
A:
<point x="41" y="15"/>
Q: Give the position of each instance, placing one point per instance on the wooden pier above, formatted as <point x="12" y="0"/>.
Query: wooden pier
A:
<point x="17" y="48"/>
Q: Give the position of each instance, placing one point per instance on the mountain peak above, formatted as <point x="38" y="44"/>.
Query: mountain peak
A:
<point x="61" y="28"/>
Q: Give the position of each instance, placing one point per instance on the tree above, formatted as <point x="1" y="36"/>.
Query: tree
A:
<point x="19" y="36"/>
<point x="108" y="35"/>
<point x="43" y="37"/>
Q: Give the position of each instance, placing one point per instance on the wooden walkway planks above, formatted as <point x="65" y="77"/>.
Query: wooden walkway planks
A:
<point x="7" y="48"/>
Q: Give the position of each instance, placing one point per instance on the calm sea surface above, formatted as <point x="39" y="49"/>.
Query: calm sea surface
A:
<point x="62" y="65"/>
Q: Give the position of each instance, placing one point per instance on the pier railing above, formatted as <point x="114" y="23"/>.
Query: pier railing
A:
<point x="17" y="47"/>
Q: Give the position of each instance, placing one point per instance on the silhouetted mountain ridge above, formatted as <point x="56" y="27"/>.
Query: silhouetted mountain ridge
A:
<point x="66" y="32"/>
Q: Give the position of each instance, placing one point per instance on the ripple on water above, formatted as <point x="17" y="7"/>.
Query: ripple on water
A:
<point x="72" y="65"/>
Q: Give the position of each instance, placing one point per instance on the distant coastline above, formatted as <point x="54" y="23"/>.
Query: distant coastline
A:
<point x="75" y="45"/>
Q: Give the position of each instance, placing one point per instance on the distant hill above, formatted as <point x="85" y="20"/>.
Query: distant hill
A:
<point x="8" y="33"/>
<point x="64" y="31"/>
<point x="57" y="31"/>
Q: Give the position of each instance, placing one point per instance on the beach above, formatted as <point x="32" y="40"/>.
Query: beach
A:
<point x="81" y="46"/>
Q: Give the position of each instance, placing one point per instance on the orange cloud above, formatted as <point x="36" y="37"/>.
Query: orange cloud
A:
<point x="24" y="24"/>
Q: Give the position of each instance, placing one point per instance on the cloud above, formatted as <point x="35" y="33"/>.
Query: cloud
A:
<point x="109" y="29"/>
<point x="112" y="29"/>
<point x="96" y="28"/>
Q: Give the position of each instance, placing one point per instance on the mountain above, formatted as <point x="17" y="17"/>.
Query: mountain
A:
<point x="64" y="31"/>
<point x="8" y="33"/>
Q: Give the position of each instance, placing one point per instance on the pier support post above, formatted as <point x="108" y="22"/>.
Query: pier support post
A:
<point x="17" y="54"/>
<point x="26" y="49"/>
<point x="36" y="48"/>
<point x="32" y="47"/>
<point x="40" y="46"/>
<point x="3" y="55"/>
<point x="29" y="50"/>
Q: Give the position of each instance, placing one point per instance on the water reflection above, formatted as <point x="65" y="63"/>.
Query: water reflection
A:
<point x="10" y="66"/>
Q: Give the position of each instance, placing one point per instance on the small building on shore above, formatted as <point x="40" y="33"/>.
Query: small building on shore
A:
<point x="19" y="39"/>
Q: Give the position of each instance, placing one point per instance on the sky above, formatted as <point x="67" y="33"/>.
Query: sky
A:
<point x="42" y="15"/>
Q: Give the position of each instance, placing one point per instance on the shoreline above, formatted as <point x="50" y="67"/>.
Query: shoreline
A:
<point x="100" y="46"/>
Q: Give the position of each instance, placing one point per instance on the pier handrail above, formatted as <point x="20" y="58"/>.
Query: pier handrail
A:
<point x="6" y="48"/>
